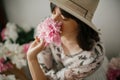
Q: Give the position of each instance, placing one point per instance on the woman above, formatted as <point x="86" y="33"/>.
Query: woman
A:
<point x="80" y="53"/>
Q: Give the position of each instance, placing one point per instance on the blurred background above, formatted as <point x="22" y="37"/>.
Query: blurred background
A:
<point x="107" y="18"/>
<point x="27" y="14"/>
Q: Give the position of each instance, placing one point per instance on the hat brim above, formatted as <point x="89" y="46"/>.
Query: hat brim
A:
<point x="74" y="13"/>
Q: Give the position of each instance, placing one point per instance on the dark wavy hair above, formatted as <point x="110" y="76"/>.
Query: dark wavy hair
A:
<point x="86" y="37"/>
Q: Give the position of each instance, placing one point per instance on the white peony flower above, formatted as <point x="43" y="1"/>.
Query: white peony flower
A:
<point x="19" y="61"/>
<point x="26" y="27"/>
<point x="14" y="52"/>
<point x="1" y="49"/>
<point x="8" y="77"/>
<point x="11" y="31"/>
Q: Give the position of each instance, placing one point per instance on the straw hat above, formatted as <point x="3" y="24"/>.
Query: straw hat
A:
<point x="82" y="9"/>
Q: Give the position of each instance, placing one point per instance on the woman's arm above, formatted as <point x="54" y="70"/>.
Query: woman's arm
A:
<point x="35" y="69"/>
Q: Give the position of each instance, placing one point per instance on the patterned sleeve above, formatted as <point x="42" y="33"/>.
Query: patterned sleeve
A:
<point x="47" y="63"/>
<point x="83" y="65"/>
<point x="45" y="59"/>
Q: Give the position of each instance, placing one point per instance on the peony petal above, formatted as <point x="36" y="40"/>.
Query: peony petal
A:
<point x="49" y="30"/>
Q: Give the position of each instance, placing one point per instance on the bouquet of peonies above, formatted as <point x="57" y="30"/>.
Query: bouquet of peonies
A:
<point x="17" y="34"/>
<point x="49" y="30"/>
<point x="11" y="54"/>
<point x="114" y="69"/>
<point x="16" y="40"/>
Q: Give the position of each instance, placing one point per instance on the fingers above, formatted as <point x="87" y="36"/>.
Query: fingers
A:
<point x="35" y="48"/>
<point x="35" y="42"/>
<point x="32" y="44"/>
<point x="37" y="39"/>
<point x="37" y="45"/>
<point x="40" y="45"/>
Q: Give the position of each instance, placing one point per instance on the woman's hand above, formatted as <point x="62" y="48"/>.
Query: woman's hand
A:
<point x="34" y="66"/>
<point x="35" y="47"/>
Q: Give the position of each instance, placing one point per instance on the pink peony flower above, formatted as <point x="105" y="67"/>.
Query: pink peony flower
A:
<point x="25" y="47"/>
<point x="4" y="66"/>
<point x="115" y="63"/>
<point x="114" y="69"/>
<point x="3" y="34"/>
<point x="49" y="30"/>
<point x="113" y="74"/>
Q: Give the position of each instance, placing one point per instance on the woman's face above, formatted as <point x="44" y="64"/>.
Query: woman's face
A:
<point x="69" y="25"/>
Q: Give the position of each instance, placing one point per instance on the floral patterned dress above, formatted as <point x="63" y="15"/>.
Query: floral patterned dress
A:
<point x="58" y="66"/>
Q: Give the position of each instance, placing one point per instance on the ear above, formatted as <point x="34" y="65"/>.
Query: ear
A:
<point x="55" y="13"/>
<point x="56" y="10"/>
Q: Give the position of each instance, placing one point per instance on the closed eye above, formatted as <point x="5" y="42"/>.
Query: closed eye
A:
<point x="64" y="18"/>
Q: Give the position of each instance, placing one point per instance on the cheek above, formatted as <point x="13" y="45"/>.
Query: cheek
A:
<point x="71" y="24"/>
<point x="74" y="23"/>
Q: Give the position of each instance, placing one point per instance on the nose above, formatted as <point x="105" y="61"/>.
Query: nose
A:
<point x="56" y="16"/>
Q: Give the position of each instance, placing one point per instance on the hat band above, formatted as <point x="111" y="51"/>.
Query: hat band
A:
<point x="79" y="9"/>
